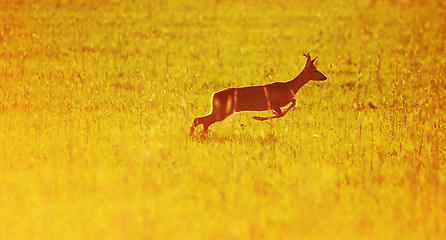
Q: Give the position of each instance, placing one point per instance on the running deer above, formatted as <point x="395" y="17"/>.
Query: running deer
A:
<point x="271" y="96"/>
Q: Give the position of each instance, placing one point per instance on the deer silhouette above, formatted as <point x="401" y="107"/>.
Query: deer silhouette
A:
<point x="271" y="96"/>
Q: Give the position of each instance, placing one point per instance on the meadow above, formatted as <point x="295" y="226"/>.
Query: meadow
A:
<point x="97" y="99"/>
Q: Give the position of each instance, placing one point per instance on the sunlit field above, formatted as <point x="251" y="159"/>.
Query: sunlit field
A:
<point x="97" y="99"/>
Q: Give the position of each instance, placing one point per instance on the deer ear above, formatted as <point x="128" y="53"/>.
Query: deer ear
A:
<point x="314" y="60"/>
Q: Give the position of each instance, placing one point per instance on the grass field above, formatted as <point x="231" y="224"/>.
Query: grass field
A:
<point x="97" y="99"/>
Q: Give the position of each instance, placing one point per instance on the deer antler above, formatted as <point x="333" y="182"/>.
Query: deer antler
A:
<point x="306" y="54"/>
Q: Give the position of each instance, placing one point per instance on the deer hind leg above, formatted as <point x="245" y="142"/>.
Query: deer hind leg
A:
<point x="205" y="120"/>
<point x="221" y="109"/>
<point x="207" y="124"/>
<point x="195" y="123"/>
<point x="277" y="111"/>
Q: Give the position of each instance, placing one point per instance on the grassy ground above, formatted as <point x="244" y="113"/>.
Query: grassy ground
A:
<point x="97" y="97"/>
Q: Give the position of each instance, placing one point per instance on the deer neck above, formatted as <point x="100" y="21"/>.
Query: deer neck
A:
<point x="298" y="82"/>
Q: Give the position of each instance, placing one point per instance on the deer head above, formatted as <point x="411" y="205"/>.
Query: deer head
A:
<point x="311" y="70"/>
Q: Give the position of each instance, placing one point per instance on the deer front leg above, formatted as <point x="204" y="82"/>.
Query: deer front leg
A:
<point x="278" y="112"/>
<point x="293" y="103"/>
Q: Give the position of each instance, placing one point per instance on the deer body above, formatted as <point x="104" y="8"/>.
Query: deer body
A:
<point x="271" y="96"/>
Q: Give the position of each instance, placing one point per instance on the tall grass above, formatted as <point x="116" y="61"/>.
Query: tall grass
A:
<point x="96" y="101"/>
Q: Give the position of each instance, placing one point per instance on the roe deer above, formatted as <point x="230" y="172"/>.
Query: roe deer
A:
<point x="271" y="96"/>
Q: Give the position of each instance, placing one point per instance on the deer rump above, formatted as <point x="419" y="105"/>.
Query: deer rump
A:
<point x="251" y="98"/>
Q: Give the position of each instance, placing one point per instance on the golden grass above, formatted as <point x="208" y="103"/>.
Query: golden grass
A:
<point x="96" y="101"/>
